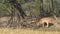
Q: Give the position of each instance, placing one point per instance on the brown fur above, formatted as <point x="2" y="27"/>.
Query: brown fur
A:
<point x="46" y="20"/>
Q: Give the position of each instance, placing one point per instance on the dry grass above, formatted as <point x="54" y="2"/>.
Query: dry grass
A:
<point x="25" y="31"/>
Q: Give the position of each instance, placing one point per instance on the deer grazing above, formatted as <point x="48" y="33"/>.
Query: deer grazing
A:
<point x="44" y="22"/>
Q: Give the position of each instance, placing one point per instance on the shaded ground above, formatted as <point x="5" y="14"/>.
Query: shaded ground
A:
<point x="25" y="23"/>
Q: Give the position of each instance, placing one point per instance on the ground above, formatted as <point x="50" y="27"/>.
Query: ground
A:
<point x="25" y="31"/>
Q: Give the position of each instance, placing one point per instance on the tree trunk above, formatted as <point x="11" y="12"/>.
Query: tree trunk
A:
<point x="18" y="7"/>
<point x="15" y="5"/>
<point x="41" y="9"/>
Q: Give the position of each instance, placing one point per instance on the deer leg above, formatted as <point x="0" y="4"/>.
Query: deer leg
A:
<point x="43" y="25"/>
<point x="47" y="24"/>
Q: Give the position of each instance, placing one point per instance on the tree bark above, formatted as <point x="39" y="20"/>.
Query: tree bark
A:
<point x="41" y="9"/>
<point x="18" y="7"/>
<point x="15" y="5"/>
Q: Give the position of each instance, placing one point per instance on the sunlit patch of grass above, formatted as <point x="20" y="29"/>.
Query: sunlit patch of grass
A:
<point x="26" y="31"/>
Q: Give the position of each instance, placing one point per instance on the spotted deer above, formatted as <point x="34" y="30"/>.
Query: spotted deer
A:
<point x="47" y="20"/>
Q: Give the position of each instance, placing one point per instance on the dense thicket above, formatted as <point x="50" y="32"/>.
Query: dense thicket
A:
<point x="31" y="7"/>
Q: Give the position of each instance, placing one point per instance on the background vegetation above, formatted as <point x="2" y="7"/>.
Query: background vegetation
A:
<point x="30" y="7"/>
